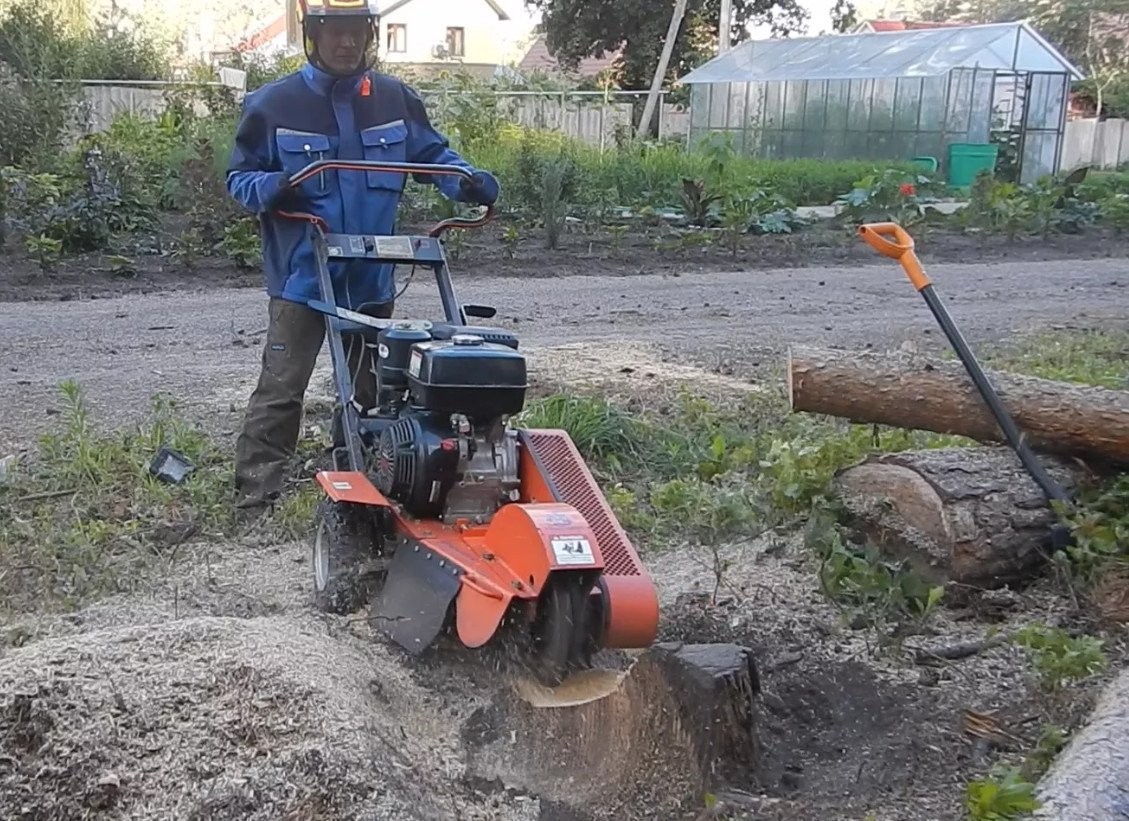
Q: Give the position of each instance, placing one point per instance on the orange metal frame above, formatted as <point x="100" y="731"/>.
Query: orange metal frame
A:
<point x="510" y="559"/>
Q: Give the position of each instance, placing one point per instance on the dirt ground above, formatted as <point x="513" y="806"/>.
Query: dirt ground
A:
<point x="215" y="692"/>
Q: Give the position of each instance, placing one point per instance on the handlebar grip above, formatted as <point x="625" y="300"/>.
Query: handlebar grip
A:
<point x="893" y="241"/>
<point x="321" y="166"/>
<point x="876" y="235"/>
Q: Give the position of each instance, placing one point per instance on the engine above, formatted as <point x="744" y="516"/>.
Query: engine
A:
<point x="448" y="453"/>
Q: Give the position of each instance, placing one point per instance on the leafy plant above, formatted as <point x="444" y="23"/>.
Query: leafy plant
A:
<point x="241" y="243"/>
<point x="1003" y="796"/>
<point x="510" y="238"/>
<point x="891" y="195"/>
<point x="697" y="202"/>
<point x="1099" y="525"/>
<point x="1060" y="658"/>
<point x="861" y="578"/>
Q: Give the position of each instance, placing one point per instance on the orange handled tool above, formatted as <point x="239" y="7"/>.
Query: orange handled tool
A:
<point x="900" y="247"/>
<point x="891" y="240"/>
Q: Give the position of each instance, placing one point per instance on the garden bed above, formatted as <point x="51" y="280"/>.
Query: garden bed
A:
<point x="495" y="251"/>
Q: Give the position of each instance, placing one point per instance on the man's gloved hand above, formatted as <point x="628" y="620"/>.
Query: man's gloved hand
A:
<point x="285" y="198"/>
<point x="481" y="190"/>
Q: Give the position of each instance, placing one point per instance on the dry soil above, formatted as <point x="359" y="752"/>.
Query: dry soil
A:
<point x="218" y="693"/>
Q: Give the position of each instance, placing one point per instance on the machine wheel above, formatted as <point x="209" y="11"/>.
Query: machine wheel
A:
<point x="561" y="630"/>
<point x="342" y="557"/>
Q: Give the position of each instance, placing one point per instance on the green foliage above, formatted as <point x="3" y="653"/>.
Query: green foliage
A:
<point x="78" y="209"/>
<point x="33" y="118"/>
<point x="1050" y="205"/>
<point x="1099" y="525"/>
<point x="705" y="512"/>
<point x="576" y="29"/>
<point x="1051" y="742"/>
<point x="892" y="195"/>
<point x="600" y="430"/>
<point x="86" y="517"/>
<point x="741" y="468"/>
<point x="1003" y="796"/>
<point x="1091" y="357"/>
<point x="1060" y="658"/>
<point x="872" y="586"/>
<point x="34" y="45"/>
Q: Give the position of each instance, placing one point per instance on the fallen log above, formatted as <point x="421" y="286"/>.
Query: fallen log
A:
<point x="969" y="515"/>
<point x="909" y="391"/>
<point x="1090" y="777"/>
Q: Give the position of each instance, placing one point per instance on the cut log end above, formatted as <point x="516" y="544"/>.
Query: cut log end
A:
<point x="967" y="515"/>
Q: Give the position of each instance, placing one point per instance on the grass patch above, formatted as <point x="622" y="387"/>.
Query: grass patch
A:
<point x="1091" y="357"/>
<point x="696" y="472"/>
<point x="85" y="518"/>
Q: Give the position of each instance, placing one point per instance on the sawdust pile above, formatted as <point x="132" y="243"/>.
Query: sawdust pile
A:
<point x="218" y="717"/>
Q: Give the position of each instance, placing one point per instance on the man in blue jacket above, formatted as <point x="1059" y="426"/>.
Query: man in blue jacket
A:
<point x="335" y="107"/>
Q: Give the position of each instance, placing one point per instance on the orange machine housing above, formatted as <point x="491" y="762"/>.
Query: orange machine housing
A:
<point x="552" y="470"/>
<point x="512" y="556"/>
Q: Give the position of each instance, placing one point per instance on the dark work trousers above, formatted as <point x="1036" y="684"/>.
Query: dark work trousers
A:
<point x="273" y="420"/>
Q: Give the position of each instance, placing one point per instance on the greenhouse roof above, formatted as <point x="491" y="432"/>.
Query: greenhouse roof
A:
<point x="922" y="53"/>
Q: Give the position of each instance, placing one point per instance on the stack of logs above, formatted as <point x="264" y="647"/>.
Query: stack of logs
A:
<point x="973" y="516"/>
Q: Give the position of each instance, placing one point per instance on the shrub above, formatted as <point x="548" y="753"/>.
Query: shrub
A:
<point x="33" y="118"/>
<point x="35" y="45"/>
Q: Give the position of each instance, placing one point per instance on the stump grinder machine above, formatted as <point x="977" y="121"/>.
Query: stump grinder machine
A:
<point x="439" y="514"/>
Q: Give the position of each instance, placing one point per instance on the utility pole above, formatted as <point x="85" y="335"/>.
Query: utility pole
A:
<point x="723" y="28"/>
<point x="660" y="70"/>
<point x="672" y="33"/>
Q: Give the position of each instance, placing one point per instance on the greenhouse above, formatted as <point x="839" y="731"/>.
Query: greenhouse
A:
<point x="929" y="93"/>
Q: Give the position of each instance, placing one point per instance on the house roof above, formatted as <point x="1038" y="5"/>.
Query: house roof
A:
<point x="905" y="25"/>
<point x="276" y="27"/>
<point x="398" y="4"/>
<point x="539" y="58"/>
<point x="871" y="55"/>
<point x="264" y="34"/>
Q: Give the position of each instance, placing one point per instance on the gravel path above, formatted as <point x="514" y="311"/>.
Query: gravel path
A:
<point x="204" y="347"/>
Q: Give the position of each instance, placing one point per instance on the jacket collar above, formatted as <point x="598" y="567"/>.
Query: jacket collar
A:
<point x="324" y="83"/>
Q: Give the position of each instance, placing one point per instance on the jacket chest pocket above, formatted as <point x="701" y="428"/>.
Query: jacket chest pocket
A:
<point x="297" y="149"/>
<point x="386" y="143"/>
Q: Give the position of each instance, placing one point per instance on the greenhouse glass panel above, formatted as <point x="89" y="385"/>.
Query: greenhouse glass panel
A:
<point x="887" y="95"/>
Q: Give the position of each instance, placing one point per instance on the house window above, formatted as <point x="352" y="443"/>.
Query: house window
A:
<point x="397" y="38"/>
<point x="456" y="46"/>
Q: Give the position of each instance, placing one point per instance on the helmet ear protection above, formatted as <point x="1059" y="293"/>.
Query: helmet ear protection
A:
<point x="313" y="13"/>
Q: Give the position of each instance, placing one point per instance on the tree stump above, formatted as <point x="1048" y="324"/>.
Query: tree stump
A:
<point x="968" y="515"/>
<point x="681" y="722"/>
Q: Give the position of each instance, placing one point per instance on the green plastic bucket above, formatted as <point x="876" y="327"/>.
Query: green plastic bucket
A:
<point x="967" y="160"/>
<point x="926" y="164"/>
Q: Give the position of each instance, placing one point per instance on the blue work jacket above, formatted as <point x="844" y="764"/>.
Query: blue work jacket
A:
<point x="311" y="115"/>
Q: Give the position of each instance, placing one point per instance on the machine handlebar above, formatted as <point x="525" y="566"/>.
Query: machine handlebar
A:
<point x="320" y="166"/>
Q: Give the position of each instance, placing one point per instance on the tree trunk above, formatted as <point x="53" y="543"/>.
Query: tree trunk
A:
<point x="968" y="515"/>
<point x="909" y="391"/>
<point x="1090" y="778"/>
<point x="681" y="721"/>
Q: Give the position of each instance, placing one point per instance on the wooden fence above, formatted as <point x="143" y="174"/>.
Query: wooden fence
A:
<point x="1101" y="144"/>
<point x="588" y="117"/>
